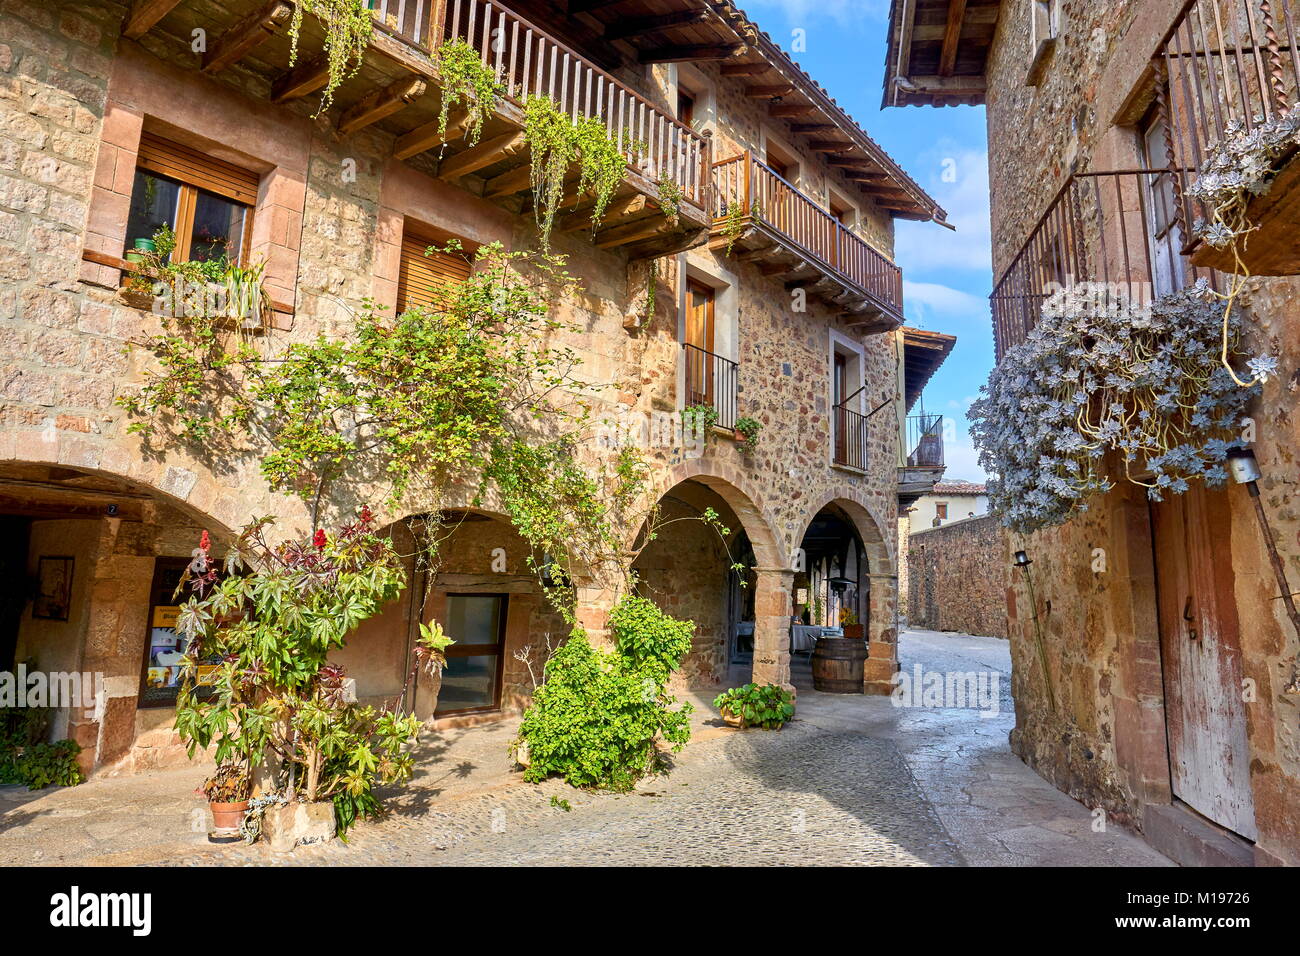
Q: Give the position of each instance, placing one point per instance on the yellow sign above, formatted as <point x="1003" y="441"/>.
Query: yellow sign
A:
<point x="164" y="616"/>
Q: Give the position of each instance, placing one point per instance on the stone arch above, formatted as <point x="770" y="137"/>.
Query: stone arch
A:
<point x="882" y="627"/>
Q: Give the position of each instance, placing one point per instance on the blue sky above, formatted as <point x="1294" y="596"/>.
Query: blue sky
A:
<point x="947" y="275"/>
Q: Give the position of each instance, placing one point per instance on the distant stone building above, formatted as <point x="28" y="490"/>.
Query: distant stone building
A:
<point x="957" y="577"/>
<point x="950" y="501"/>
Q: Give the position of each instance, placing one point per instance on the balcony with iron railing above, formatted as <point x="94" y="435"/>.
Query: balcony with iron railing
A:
<point x="1121" y="229"/>
<point x="850" y="432"/>
<point x="925" y="439"/>
<point x="711" y="381"/>
<point x="1230" y="67"/>
<point x="663" y="204"/>
<point x="761" y="218"/>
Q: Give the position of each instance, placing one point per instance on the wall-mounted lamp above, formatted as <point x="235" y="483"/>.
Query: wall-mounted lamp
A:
<point x="1022" y="561"/>
<point x="1245" y="470"/>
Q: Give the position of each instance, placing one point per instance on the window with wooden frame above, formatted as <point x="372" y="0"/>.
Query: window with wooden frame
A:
<point x="941" y="510"/>
<point x="700" y="315"/>
<point x="685" y="106"/>
<point x="208" y="202"/>
<point x="428" y="278"/>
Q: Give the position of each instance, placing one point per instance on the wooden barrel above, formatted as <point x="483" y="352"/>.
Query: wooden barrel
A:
<point x="837" y="665"/>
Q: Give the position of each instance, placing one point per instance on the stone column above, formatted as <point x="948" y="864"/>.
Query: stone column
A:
<point x="882" y="636"/>
<point x="772" y="593"/>
<point x="592" y="607"/>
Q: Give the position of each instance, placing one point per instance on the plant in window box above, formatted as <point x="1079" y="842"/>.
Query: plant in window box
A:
<point x="756" y="705"/>
<point x="748" y="429"/>
<point x="213" y="289"/>
<point x="699" y="419"/>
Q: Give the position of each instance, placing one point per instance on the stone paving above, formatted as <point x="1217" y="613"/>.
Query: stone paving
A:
<point x="852" y="781"/>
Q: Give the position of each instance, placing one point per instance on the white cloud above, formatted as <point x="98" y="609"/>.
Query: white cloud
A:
<point x="923" y="246"/>
<point x="962" y="461"/>
<point x="926" y="301"/>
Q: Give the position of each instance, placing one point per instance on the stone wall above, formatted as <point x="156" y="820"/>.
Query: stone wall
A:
<point x="956" y="578"/>
<point x="1105" y="741"/>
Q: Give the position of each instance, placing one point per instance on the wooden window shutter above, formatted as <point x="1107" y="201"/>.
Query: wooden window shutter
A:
<point x="187" y="165"/>
<point x="428" y="281"/>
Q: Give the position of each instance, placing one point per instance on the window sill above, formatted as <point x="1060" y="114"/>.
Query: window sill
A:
<point x="850" y="469"/>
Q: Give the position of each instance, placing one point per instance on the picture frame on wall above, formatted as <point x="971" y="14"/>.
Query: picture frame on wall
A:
<point x="53" y="601"/>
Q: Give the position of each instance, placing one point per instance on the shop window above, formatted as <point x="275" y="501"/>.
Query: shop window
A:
<point x="427" y="277"/>
<point x="208" y="202"/>
<point x="471" y="679"/>
<point x="165" y="648"/>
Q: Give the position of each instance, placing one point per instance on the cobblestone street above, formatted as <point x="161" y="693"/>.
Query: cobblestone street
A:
<point x="853" y="781"/>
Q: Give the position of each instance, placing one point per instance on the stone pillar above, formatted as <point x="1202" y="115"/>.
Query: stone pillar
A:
<point x="772" y="594"/>
<point x="882" y="636"/>
<point x="592" y="608"/>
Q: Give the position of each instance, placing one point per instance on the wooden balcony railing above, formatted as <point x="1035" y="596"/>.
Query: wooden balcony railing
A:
<point x="1229" y="62"/>
<point x="529" y="62"/>
<point x="713" y="381"/>
<point x="850" y="437"/>
<point x="411" y="20"/>
<point x="1121" y="229"/>
<point x="747" y="188"/>
<point x="925" y="438"/>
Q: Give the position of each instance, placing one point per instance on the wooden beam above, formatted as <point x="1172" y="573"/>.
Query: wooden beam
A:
<point x="951" y="37"/>
<point x="576" y="7"/>
<point x="694" y="51"/>
<point x="785" y="110"/>
<point x="866" y="177"/>
<point x="632" y="232"/>
<point x="830" y="146"/>
<point x="640" y="26"/>
<point x="381" y="103"/>
<point x="307" y="77"/>
<point x="617" y="209"/>
<point x="811" y="127"/>
<point x="429" y="136"/>
<point x="253" y="30"/>
<point x="484" y="154"/>
<point x="765" y="92"/>
<point x="849" y="162"/>
<point x="144" y="14"/>
<point x="509" y="183"/>
<point x="744" y="69"/>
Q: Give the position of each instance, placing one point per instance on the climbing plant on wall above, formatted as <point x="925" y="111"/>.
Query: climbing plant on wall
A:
<point x="1102" y="374"/>
<point x="467" y="84"/>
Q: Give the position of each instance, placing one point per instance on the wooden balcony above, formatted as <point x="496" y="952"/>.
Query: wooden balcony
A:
<point x="397" y="89"/>
<point x="759" y="217"/>
<point x="1230" y="66"/>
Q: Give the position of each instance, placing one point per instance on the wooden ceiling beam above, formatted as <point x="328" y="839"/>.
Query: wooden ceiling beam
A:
<point x="248" y="33"/>
<point x="307" y="77"/>
<point x="951" y="37"/>
<point x="786" y="110"/>
<point x="429" y="136"/>
<point x="382" y="103"/>
<point x="484" y="154"/>
<point x="144" y="14"/>
<point x="629" y="27"/>
<point x="692" y="51"/>
<point x="830" y="146"/>
<point x="811" y="127"/>
<point x="744" y="69"/>
<point x="576" y="7"/>
<point x="766" y="92"/>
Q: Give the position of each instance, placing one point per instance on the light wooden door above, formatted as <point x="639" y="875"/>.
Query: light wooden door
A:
<point x="1209" y="756"/>
<point x="700" y="334"/>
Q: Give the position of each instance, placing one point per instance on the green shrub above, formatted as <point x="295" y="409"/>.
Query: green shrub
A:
<point x="24" y="756"/>
<point x="595" y="719"/>
<point x="757" y="705"/>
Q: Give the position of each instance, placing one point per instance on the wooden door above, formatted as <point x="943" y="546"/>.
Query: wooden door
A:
<point x="1209" y="756"/>
<point x="839" y="383"/>
<point x="471" y="679"/>
<point x="699" y="334"/>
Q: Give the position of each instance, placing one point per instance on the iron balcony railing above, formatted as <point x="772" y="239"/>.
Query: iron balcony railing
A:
<point x="850" y="437"/>
<point x="713" y="381"/>
<point x="925" y="438"/>
<point x="530" y="62"/>
<point x="744" y="187"/>
<point x="1121" y="229"/>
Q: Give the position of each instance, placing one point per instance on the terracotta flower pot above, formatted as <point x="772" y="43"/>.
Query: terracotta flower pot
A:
<point x="228" y="816"/>
<point x="733" y="720"/>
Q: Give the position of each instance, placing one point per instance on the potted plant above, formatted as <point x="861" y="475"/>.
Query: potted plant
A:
<point x="852" y="627"/>
<point x="228" y="791"/>
<point x="756" y="705"/>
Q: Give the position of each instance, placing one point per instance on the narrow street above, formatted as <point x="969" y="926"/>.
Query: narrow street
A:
<point x="852" y="781"/>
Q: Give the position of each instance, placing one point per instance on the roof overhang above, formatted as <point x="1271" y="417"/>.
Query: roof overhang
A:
<point x="923" y="353"/>
<point x="938" y="51"/>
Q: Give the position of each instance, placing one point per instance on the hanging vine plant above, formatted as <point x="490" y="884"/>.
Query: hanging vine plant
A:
<point x="556" y="142"/>
<point x="1240" y="167"/>
<point x="468" y="83"/>
<point x="1099" y="374"/>
<point x="349" y="26"/>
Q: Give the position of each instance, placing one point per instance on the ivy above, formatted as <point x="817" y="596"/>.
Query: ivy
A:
<point x="734" y="223"/>
<point x="349" y="26"/>
<point x="670" y="199"/>
<point x="1101" y="374"/>
<point x="468" y="83"/>
<point x="556" y="143"/>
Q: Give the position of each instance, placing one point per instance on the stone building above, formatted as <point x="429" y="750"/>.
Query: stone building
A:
<point x="1169" y="638"/>
<point x="949" y="501"/>
<point x="955" y="577"/>
<point x="767" y="211"/>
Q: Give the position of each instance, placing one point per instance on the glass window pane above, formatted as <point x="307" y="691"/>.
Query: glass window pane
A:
<point x="468" y="682"/>
<point x="473" y="618"/>
<point x="153" y="205"/>
<point x="218" y="229"/>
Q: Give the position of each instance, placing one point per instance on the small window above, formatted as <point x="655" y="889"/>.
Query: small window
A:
<point x="208" y="202"/>
<point x="1044" y="28"/>
<point x="941" y="510"/>
<point x="428" y="278"/>
<point x="685" y="106"/>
